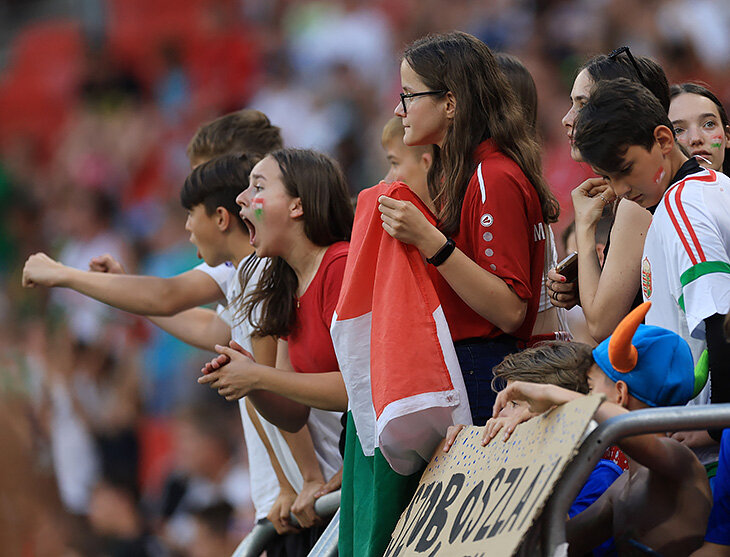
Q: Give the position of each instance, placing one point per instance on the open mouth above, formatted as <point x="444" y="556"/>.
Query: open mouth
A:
<point x="197" y="249"/>
<point x="251" y="230"/>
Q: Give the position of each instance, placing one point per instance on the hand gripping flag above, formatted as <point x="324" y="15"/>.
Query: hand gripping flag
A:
<point x="393" y="343"/>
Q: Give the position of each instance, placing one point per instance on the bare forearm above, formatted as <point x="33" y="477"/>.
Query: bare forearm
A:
<point x="660" y="454"/>
<point x="589" y="274"/>
<point x="302" y="448"/>
<point x="284" y="413"/>
<point x="198" y="327"/>
<point x="618" y="282"/>
<point x="138" y="294"/>
<point x="325" y="391"/>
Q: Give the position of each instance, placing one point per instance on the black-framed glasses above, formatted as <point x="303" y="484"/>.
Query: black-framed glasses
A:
<point x="404" y="96"/>
<point x="625" y="50"/>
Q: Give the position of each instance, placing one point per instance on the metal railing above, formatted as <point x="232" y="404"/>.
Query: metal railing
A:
<point x="261" y="534"/>
<point x="326" y="545"/>
<point x="650" y="420"/>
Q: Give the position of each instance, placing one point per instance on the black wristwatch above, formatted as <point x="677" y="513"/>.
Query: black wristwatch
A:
<point x="442" y="254"/>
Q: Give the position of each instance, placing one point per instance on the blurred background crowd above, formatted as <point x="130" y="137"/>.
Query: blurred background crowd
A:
<point x="109" y="447"/>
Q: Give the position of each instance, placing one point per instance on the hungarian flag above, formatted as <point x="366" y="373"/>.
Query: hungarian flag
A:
<point x="393" y="344"/>
<point x="402" y="376"/>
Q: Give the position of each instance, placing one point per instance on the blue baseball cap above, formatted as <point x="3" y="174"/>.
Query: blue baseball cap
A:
<point x="655" y="363"/>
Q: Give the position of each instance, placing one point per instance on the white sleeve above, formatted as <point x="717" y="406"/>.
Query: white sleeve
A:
<point x="701" y="218"/>
<point x="251" y="285"/>
<point x="221" y="274"/>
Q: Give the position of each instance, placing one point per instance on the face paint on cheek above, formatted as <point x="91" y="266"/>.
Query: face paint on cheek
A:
<point x="716" y="142"/>
<point x="257" y="204"/>
<point x="660" y="173"/>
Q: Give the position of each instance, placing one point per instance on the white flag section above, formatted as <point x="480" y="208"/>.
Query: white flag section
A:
<point x="393" y="344"/>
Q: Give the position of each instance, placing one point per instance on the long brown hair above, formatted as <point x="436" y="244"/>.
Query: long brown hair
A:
<point x="320" y="184"/>
<point x="485" y="107"/>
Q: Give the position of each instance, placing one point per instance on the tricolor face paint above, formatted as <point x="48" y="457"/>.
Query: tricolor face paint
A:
<point x="257" y="204"/>
<point x="267" y="209"/>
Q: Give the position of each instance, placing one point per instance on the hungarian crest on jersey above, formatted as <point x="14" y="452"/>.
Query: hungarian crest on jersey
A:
<point x="646" y="277"/>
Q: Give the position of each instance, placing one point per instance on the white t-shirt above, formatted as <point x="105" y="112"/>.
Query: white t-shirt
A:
<point x="264" y="485"/>
<point x="324" y="427"/>
<point x="685" y="267"/>
<point x="222" y="274"/>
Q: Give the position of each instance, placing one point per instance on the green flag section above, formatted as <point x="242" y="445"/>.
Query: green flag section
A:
<point x="478" y="500"/>
<point x="373" y="497"/>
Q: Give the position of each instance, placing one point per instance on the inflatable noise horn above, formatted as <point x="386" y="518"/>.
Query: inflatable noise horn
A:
<point x="621" y="352"/>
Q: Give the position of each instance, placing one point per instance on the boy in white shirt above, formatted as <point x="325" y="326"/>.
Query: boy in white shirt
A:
<point x="626" y="136"/>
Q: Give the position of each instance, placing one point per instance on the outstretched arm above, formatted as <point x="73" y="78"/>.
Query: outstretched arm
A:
<point x="199" y="327"/>
<point x="133" y="293"/>
<point x="661" y="454"/>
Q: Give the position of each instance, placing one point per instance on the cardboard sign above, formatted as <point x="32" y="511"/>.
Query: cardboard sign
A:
<point x="478" y="501"/>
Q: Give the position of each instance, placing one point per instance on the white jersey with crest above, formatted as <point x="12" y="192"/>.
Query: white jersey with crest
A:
<point x="685" y="268"/>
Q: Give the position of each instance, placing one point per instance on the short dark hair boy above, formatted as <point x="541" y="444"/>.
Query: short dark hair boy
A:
<point x="625" y="134"/>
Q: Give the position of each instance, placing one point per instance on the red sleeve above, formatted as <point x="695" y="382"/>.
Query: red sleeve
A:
<point x="500" y="230"/>
<point x="331" y="286"/>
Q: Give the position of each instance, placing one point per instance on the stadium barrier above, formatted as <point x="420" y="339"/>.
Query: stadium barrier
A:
<point x="650" y="420"/>
<point x="261" y="534"/>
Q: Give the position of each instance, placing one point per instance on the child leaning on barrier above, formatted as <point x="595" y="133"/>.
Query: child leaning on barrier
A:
<point x="564" y="364"/>
<point x="663" y="503"/>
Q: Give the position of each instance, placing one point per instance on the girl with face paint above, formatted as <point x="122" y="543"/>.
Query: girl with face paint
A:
<point x="701" y="125"/>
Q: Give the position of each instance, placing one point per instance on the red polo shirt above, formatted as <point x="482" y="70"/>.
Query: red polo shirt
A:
<point x="501" y="228"/>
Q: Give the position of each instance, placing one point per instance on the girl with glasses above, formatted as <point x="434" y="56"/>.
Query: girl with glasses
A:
<point x="492" y="202"/>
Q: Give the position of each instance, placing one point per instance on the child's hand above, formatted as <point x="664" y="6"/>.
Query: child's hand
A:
<point x="334" y="483"/>
<point x="279" y="513"/>
<point x="451" y="434"/>
<point x="233" y="373"/>
<point x="106" y="264"/>
<point x="41" y="270"/>
<point x="693" y="438"/>
<point x="506" y="424"/>
<point x="222" y="359"/>
<point x="539" y="398"/>
<point x="303" y="506"/>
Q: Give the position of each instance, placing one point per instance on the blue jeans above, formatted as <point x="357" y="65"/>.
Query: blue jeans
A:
<point x="477" y="357"/>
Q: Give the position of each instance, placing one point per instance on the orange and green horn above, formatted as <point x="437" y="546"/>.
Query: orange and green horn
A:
<point x="621" y="353"/>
